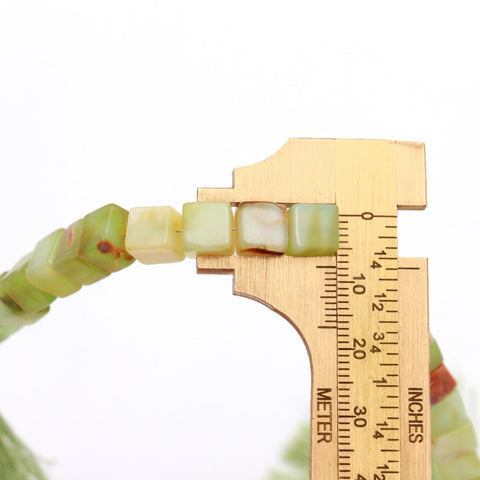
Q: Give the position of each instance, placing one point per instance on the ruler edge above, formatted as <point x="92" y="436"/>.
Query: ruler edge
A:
<point x="408" y="154"/>
<point x="412" y="459"/>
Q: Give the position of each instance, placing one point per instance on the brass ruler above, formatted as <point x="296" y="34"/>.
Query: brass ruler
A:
<point x="363" y="315"/>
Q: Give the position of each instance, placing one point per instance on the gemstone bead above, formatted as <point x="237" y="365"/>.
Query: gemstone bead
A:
<point x="262" y="228"/>
<point x="448" y="414"/>
<point x="435" y="474"/>
<point x="455" y="442"/>
<point x="153" y="235"/>
<point x="102" y="240"/>
<point x="29" y="298"/>
<point x="67" y="262"/>
<point x="6" y="331"/>
<point x="207" y="228"/>
<point x="11" y="315"/>
<point x="313" y="230"/>
<point x="436" y="358"/>
<point x="40" y="271"/>
<point x="441" y="384"/>
<point x="463" y="467"/>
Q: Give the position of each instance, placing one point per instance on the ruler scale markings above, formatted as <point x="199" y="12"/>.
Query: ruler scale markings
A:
<point x="368" y="180"/>
<point x="368" y="257"/>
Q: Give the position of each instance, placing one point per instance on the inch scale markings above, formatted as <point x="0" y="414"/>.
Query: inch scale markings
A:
<point x="367" y="201"/>
<point x="354" y="394"/>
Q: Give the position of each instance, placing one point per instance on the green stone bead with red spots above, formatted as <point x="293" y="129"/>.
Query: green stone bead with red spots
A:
<point x="68" y="262"/>
<point x="102" y="240"/>
<point x="29" y="298"/>
<point x="441" y="384"/>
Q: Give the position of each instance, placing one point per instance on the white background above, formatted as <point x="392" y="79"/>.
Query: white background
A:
<point x="157" y="372"/>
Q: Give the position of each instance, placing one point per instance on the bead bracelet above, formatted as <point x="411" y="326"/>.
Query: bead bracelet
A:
<point x="110" y="239"/>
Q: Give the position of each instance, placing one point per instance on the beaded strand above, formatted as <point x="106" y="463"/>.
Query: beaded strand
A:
<point x="111" y="238"/>
<point x="454" y="442"/>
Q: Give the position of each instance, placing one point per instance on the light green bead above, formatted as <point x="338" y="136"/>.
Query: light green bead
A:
<point x="464" y="467"/>
<point x="436" y="358"/>
<point x="313" y="230"/>
<point x="67" y="262"/>
<point x="435" y="474"/>
<point x="102" y="241"/>
<point x="207" y="228"/>
<point x="11" y="315"/>
<point x="453" y="443"/>
<point x="40" y="271"/>
<point x="262" y="228"/>
<point x="29" y="298"/>
<point x="448" y="414"/>
<point x="8" y="317"/>
<point x="6" y="331"/>
<point x="153" y="235"/>
<point x="11" y="318"/>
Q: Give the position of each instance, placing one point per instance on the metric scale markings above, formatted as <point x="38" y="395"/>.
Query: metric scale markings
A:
<point x="329" y="300"/>
<point x="362" y="315"/>
<point x="367" y="339"/>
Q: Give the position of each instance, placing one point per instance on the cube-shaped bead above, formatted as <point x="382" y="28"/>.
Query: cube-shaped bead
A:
<point x="448" y="414"/>
<point x="435" y="474"/>
<point x="207" y="228"/>
<point x="436" y="358"/>
<point x="102" y="242"/>
<point x="453" y="443"/>
<point x="8" y="309"/>
<point x="29" y="298"/>
<point x="40" y="271"/>
<point x="6" y="331"/>
<point x="463" y="467"/>
<point x="67" y="262"/>
<point x="12" y="315"/>
<point x="313" y="230"/>
<point x="154" y="236"/>
<point x="262" y="228"/>
<point x="441" y="384"/>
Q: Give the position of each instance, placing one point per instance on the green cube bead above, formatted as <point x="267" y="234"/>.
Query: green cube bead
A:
<point x="8" y="310"/>
<point x="313" y="230"/>
<point x="464" y="467"/>
<point x="436" y="358"/>
<point x="6" y="331"/>
<point x="435" y="474"/>
<point x="40" y="271"/>
<point x="102" y="241"/>
<point x="207" y="228"/>
<point x="12" y="315"/>
<point x="448" y="414"/>
<point x="29" y="298"/>
<point x="67" y="262"/>
<point x="453" y="443"/>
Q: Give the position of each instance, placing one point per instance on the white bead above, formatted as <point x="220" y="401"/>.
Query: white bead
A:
<point x="262" y="228"/>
